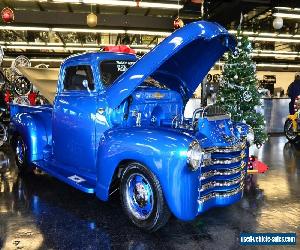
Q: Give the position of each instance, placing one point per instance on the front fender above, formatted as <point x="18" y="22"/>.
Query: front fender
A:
<point x="163" y="151"/>
<point x="32" y="131"/>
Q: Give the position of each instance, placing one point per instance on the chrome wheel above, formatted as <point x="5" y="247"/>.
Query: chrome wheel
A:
<point x="139" y="196"/>
<point x="289" y="131"/>
<point x="20" y="151"/>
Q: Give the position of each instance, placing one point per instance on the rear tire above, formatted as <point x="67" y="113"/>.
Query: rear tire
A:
<point x="142" y="198"/>
<point x="289" y="132"/>
<point x="21" y="156"/>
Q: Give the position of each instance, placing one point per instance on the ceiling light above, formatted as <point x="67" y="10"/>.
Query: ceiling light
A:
<point x="271" y="39"/>
<point x="125" y="3"/>
<point x="88" y="30"/>
<point x="67" y="45"/>
<point x="287" y="8"/>
<point x="66" y="30"/>
<point x="8" y="27"/>
<point x="275" y="51"/>
<point x="287" y="15"/>
<point x="274" y="55"/>
<point x="255" y="34"/>
<point x="150" y="33"/>
<point x="56" y="48"/>
<point x="36" y="59"/>
<point x="271" y="65"/>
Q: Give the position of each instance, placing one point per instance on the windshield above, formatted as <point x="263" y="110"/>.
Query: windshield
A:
<point x="112" y="69"/>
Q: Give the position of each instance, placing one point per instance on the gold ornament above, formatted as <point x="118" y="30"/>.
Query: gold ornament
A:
<point x="91" y="20"/>
<point x="178" y="23"/>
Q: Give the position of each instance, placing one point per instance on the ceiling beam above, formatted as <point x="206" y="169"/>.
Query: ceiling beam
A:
<point x="79" y="19"/>
<point x="235" y="8"/>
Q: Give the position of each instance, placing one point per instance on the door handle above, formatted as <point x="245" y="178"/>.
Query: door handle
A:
<point x="100" y="111"/>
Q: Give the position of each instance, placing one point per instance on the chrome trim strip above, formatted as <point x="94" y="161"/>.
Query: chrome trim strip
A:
<point x="229" y="149"/>
<point x="217" y="117"/>
<point x="223" y="183"/>
<point x="221" y="194"/>
<point x="231" y="171"/>
<point x="209" y="162"/>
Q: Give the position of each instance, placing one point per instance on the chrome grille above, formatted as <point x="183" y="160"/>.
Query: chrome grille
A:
<point x="223" y="175"/>
<point x="214" y="110"/>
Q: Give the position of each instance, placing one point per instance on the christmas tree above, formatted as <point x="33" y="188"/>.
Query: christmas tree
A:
<point x="238" y="92"/>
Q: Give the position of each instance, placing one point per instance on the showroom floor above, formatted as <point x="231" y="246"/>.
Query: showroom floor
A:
<point x="43" y="213"/>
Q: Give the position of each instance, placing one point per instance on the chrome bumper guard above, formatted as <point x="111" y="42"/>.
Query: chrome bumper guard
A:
<point x="228" y="165"/>
<point x="230" y="171"/>
<point x="235" y="148"/>
<point x="209" y="162"/>
<point x="225" y="183"/>
<point x="221" y="194"/>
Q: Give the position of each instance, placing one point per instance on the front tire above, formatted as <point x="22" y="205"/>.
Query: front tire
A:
<point x="21" y="156"/>
<point x="142" y="198"/>
<point x="289" y="132"/>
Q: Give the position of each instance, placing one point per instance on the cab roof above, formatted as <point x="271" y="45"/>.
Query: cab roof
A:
<point x="96" y="56"/>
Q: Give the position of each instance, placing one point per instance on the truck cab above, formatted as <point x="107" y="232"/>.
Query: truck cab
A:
<point x="116" y="123"/>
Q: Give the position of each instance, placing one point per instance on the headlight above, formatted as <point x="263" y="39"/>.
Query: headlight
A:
<point x="194" y="156"/>
<point x="250" y="136"/>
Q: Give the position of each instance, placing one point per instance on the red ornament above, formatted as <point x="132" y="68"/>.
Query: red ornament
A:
<point x="178" y="23"/>
<point x="260" y="166"/>
<point x="7" y="97"/>
<point x="7" y="15"/>
<point x="255" y="166"/>
<point x="32" y="98"/>
<point x="119" y="48"/>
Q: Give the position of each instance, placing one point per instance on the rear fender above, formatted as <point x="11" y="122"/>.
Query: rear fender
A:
<point x="32" y="131"/>
<point x="163" y="152"/>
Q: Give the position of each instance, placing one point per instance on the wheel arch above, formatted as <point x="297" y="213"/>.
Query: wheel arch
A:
<point x="32" y="131"/>
<point x="165" y="157"/>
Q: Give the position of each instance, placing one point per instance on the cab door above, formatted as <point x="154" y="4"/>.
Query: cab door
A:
<point x="74" y="126"/>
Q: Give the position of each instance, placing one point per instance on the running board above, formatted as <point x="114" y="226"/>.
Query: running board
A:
<point x="68" y="177"/>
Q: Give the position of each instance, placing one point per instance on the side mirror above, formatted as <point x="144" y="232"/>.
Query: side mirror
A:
<point x="85" y="84"/>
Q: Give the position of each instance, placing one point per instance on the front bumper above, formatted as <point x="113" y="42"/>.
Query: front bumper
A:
<point x="221" y="182"/>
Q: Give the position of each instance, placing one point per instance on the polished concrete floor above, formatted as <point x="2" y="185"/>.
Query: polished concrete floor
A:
<point x="42" y="213"/>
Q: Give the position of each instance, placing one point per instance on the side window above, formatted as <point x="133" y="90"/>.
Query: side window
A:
<point x="75" y="75"/>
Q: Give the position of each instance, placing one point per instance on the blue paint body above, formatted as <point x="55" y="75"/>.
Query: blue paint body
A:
<point x="73" y="138"/>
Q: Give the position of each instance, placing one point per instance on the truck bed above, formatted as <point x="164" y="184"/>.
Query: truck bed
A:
<point x="18" y="108"/>
<point x="41" y="114"/>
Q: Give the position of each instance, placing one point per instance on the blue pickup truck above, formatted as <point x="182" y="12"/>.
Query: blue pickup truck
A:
<point x="116" y="123"/>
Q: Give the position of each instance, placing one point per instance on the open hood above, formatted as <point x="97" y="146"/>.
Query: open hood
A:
<point x="180" y="61"/>
<point x="45" y="80"/>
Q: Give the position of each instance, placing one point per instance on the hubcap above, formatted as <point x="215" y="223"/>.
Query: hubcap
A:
<point x="20" y="151"/>
<point x="139" y="196"/>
